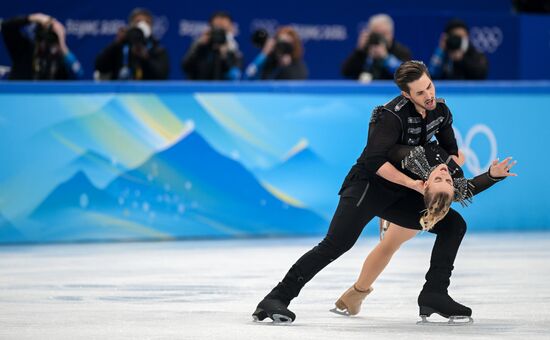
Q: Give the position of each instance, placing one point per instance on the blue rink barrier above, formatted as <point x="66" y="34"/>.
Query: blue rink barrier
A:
<point x="155" y="161"/>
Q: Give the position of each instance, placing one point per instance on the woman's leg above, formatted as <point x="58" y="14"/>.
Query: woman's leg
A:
<point x="376" y="261"/>
<point x="381" y="255"/>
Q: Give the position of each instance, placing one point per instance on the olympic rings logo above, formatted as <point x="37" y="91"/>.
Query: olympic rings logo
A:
<point x="486" y="39"/>
<point x="472" y="160"/>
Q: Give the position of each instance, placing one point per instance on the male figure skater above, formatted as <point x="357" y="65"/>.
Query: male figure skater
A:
<point x="374" y="187"/>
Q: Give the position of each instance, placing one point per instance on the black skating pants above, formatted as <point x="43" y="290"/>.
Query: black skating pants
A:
<point x="359" y="204"/>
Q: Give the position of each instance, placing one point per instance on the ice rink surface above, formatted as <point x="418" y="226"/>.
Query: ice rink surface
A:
<point x="208" y="290"/>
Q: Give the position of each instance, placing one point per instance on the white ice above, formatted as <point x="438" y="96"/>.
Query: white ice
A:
<point x="208" y="290"/>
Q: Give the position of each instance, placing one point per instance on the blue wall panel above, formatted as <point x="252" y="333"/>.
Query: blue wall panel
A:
<point x="160" y="161"/>
<point x="330" y="31"/>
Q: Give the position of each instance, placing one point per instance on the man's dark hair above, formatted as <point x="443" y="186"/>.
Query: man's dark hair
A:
<point x="454" y="24"/>
<point x="408" y="72"/>
<point x="220" y="14"/>
<point x="139" y="11"/>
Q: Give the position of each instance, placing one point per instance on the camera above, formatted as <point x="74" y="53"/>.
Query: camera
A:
<point x="453" y="42"/>
<point x="376" y="39"/>
<point x="218" y="36"/>
<point x="283" y="47"/>
<point x="259" y="37"/>
<point x="135" y="36"/>
<point x="139" y="33"/>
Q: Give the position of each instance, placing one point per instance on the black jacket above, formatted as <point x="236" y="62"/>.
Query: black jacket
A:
<point x="398" y="122"/>
<point x="474" y="66"/>
<point x="204" y="63"/>
<point x="355" y="64"/>
<point x="297" y="70"/>
<point x="156" y="67"/>
<point x="27" y="63"/>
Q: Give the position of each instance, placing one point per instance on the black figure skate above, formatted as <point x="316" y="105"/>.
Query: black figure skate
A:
<point x="274" y="309"/>
<point x="444" y="305"/>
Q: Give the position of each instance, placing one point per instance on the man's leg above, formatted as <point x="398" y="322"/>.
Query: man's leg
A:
<point x="352" y="213"/>
<point x="450" y="231"/>
<point x="434" y="297"/>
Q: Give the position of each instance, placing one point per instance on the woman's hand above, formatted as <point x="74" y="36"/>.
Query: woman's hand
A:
<point x="269" y="46"/>
<point x="502" y="169"/>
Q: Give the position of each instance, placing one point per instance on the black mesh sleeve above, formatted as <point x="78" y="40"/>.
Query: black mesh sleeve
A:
<point x="483" y="182"/>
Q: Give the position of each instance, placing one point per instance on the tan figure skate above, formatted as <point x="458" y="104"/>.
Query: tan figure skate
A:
<point x="350" y="302"/>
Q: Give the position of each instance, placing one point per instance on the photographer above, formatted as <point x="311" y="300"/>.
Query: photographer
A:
<point x="135" y="54"/>
<point x="455" y="58"/>
<point x="281" y="56"/>
<point x="215" y="54"/>
<point x="377" y="54"/>
<point x="37" y="48"/>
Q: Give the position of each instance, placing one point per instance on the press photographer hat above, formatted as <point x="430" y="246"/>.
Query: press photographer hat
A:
<point x="455" y="23"/>
<point x="139" y="11"/>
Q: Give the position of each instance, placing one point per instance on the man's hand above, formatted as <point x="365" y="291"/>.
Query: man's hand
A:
<point x="362" y="40"/>
<point x="502" y="169"/>
<point x="40" y="18"/>
<point x="443" y="41"/>
<point x="417" y="185"/>
<point x="460" y="159"/>
<point x="140" y="51"/>
<point x="59" y="29"/>
<point x="121" y="35"/>
<point x="457" y="55"/>
<point x="204" y="39"/>
<point x="392" y="174"/>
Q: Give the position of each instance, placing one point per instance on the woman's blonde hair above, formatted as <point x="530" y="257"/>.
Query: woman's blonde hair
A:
<point x="437" y="206"/>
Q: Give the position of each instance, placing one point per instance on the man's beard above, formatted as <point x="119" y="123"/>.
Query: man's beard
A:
<point x="423" y="105"/>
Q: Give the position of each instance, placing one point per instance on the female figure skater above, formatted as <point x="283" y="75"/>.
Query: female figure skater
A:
<point x="444" y="183"/>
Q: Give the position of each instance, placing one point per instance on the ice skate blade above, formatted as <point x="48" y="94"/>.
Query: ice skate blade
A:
<point x="340" y="312"/>
<point x="456" y="320"/>
<point x="277" y="319"/>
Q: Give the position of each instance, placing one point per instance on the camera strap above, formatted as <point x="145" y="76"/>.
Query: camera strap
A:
<point x="125" y="73"/>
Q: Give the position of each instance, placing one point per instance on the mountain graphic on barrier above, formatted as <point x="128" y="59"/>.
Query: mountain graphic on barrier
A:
<point x="222" y="138"/>
<point x="301" y="161"/>
<point x="305" y="176"/>
<point x="8" y="233"/>
<point x="187" y="190"/>
<point x="95" y="166"/>
<point x="77" y="192"/>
